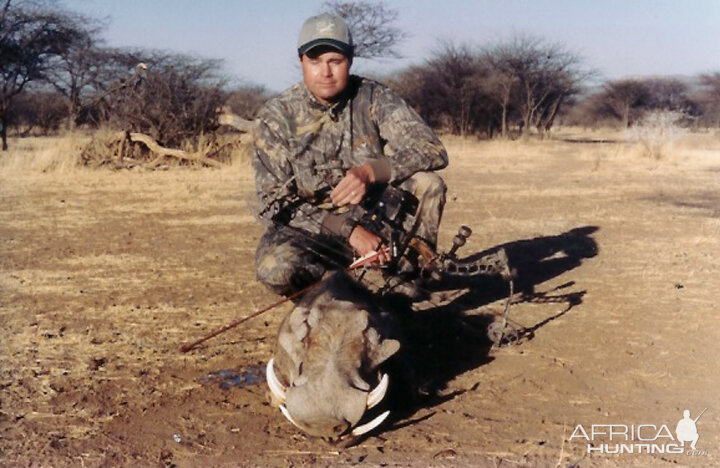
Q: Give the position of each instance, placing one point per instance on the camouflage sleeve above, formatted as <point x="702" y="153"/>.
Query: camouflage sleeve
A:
<point x="411" y="146"/>
<point x="274" y="181"/>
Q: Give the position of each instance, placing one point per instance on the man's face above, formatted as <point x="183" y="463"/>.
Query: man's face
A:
<point x="325" y="73"/>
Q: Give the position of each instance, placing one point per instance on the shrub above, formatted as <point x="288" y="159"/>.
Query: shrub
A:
<point x="656" y="132"/>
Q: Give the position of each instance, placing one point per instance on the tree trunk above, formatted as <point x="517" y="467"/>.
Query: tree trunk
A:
<point x="73" y="110"/>
<point x="626" y="117"/>
<point x="541" y="131"/>
<point x="503" y="128"/>
<point x="547" y="123"/>
<point x="3" y="131"/>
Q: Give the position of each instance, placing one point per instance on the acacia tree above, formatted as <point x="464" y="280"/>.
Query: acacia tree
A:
<point x="710" y="98"/>
<point x="38" y="112"/>
<point x="669" y="94"/>
<point x="372" y="25"/>
<point x="76" y="73"/>
<point x="624" y="99"/>
<point x="449" y="90"/>
<point x="502" y="82"/>
<point x="534" y="76"/>
<point x="562" y="83"/>
<point x="457" y="74"/>
<point x="467" y="90"/>
<point x="30" y="35"/>
<point x="171" y="97"/>
<point x="245" y="101"/>
<point x="415" y="85"/>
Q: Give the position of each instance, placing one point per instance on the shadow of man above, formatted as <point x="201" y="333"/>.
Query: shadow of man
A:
<point x="450" y="337"/>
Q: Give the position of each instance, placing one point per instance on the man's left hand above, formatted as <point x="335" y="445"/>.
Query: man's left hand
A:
<point x="364" y="242"/>
<point x="353" y="187"/>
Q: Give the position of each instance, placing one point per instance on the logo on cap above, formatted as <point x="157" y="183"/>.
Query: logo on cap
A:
<point x="325" y="27"/>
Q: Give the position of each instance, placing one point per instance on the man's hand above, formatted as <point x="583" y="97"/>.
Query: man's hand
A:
<point x="353" y="187"/>
<point x="364" y="242"/>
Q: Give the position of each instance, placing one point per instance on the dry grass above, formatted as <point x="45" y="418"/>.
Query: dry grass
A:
<point x="103" y="274"/>
<point x="61" y="154"/>
<point x="38" y="155"/>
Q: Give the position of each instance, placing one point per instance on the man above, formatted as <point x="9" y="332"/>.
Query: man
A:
<point x="686" y="430"/>
<point x="322" y="145"/>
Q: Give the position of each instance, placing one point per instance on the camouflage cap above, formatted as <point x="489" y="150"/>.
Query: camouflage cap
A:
<point x="325" y="30"/>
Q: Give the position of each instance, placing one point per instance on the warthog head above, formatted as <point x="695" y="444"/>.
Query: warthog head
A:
<point x="324" y="376"/>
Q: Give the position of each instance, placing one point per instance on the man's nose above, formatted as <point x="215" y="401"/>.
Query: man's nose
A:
<point x="326" y="70"/>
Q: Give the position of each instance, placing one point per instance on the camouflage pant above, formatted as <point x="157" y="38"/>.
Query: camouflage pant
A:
<point x="286" y="260"/>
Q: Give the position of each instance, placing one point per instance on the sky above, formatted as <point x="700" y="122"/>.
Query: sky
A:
<point x="257" y="39"/>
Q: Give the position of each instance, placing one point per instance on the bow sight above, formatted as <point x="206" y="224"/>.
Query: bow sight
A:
<point x="387" y="212"/>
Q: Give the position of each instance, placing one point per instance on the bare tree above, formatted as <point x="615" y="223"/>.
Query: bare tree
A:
<point x="36" y="112"/>
<point x="668" y="94"/>
<point x="76" y="72"/>
<point x="502" y="84"/>
<point x="415" y="85"/>
<point x="372" y="25"/>
<point x="458" y="74"/>
<point x="30" y="35"/>
<point x="468" y="90"/>
<point x="624" y="99"/>
<point x="709" y="98"/>
<point x="562" y="82"/>
<point x="537" y="77"/>
<point x="449" y="90"/>
<point x="245" y="101"/>
<point x="171" y="97"/>
<point x="586" y="110"/>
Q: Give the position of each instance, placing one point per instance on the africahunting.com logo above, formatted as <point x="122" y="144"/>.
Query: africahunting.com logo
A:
<point x="642" y="438"/>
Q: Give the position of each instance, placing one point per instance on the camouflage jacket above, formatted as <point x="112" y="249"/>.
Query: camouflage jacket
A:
<point x="303" y="148"/>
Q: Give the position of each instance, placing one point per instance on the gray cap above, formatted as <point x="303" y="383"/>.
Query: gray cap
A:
<point x="325" y="30"/>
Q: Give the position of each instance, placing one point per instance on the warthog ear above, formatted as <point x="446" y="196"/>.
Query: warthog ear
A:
<point x="383" y="352"/>
<point x="297" y="323"/>
<point x="291" y="346"/>
<point x="378" y="349"/>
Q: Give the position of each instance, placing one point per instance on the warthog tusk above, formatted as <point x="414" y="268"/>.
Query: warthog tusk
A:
<point x="286" y="413"/>
<point x="378" y="393"/>
<point x="365" y="428"/>
<point x="276" y="387"/>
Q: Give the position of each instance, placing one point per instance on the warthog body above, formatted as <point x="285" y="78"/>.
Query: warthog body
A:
<point x="324" y="375"/>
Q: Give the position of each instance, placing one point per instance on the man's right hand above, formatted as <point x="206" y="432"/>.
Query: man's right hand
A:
<point x="353" y="186"/>
<point x="364" y="242"/>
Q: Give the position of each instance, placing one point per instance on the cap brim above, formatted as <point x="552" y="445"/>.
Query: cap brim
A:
<point x="335" y="44"/>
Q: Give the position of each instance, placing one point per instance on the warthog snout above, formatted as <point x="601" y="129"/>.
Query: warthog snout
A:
<point x="324" y="376"/>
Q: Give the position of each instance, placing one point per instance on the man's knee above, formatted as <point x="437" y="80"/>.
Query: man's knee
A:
<point x="427" y="184"/>
<point x="285" y="270"/>
<point x="273" y="273"/>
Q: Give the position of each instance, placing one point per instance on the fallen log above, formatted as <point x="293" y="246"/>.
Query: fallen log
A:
<point x="161" y="151"/>
<point x="227" y="117"/>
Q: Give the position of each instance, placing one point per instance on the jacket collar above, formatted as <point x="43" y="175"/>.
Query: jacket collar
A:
<point x="337" y="107"/>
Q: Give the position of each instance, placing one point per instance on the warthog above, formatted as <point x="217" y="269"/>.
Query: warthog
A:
<point x="324" y="376"/>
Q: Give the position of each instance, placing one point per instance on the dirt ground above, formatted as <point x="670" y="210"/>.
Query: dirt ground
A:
<point x="104" y="275"/>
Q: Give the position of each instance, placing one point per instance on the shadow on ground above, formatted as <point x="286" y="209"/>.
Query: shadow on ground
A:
<point x="703" y="202"/>
<point x="589" y="140"/>
<point x="450" y="338"/>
